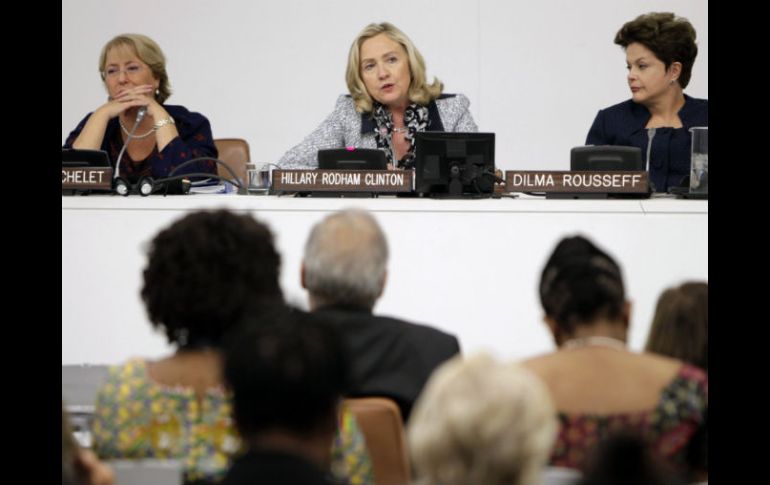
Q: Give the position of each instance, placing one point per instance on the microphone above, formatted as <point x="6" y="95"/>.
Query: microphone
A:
<point x="650" y="136"/>
<point x="140" y="114"/>
<point x="121" y="185"/>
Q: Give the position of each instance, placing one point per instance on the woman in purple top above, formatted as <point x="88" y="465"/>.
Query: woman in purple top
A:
<point x="133" y="69"/>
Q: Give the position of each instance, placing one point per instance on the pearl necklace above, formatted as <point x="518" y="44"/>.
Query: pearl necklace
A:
<point x="138" y="137"/>
<point x="400" y="130"/>
<point x="596" y="341"/>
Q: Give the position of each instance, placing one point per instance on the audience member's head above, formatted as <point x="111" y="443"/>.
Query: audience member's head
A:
<point x="345" y="261"/>
<point x="482" y="421"/>
<point x="680" y="327"/>
<point x="287" y="377"/>
<point x="581" y="284"/>
<point x="203" y="269"/>
<point x="626" y="459"/>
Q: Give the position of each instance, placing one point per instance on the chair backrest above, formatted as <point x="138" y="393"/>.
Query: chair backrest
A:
<point x="235" y="153"/>
<point x="145" y="472"/>
<point x="380" y="421"/>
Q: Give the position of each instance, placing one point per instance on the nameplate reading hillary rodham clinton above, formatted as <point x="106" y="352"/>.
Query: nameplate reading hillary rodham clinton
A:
<point x="343" y="180"/>
<point x="635" y="182"/>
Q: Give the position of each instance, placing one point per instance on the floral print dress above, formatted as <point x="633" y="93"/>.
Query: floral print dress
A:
<point x="137" y="418"/>
<point x="675" y="428"/>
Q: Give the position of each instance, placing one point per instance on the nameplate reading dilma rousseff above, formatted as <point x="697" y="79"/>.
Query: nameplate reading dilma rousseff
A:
<point x="343" y="180"/>
<point x="620" y="182"/>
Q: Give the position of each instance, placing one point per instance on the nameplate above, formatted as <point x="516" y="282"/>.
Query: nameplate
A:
<point x="343" y="180"/>
<point x="631" y="182"/>
<point x="85" y="178"/>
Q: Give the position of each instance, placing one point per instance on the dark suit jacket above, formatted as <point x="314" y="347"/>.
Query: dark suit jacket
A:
<point x="623" y="124"/>
<point x="391" y="357"/>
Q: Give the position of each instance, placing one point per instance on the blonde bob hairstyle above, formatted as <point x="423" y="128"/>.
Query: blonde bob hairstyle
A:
<point x="482" y="421"/>
<point x="148" y="51"/>
<point x="420" y="91"/>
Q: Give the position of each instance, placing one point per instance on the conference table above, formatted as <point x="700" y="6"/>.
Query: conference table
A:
<point x="469" y="267"/>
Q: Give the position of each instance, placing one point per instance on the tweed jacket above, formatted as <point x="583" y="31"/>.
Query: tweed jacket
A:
<point x="345" y="127"/>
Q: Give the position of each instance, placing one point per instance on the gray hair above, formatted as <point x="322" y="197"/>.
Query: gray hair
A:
<point x="482" y="421"/>
<point x="346" y="256"/>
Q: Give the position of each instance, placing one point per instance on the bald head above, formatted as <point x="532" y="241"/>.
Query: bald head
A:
<point x="345" y="260"/>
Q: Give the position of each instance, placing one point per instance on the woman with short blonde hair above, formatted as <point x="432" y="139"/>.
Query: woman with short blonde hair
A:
<point x="482" y="421"/>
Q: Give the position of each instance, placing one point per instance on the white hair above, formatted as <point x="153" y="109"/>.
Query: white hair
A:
<point x="346" y="256"/>
<point x="482" y="421"/>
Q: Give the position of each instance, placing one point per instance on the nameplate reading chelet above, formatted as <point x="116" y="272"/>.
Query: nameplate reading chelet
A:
<point x="343" y="180"/>
<point x="86" y="178"/>
<point x="625" y="182"/>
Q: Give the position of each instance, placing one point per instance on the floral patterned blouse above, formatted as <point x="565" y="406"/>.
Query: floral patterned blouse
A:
<point x="138" y="418"/>
<point x="675" y="428"/>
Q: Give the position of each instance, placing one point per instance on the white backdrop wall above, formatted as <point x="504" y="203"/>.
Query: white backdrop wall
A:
<point x="469" y="267"/>
<point x="536" y="72"/>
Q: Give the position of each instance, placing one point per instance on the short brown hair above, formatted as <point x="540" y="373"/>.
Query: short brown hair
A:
<point x="148" y="51"/>
<point x="681" y="324"/>
<point x="670" y="38"/>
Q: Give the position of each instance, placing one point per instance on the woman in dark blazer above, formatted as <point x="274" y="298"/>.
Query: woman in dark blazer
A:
<point x="660" y="52"/>
<point x="133" y="68"/>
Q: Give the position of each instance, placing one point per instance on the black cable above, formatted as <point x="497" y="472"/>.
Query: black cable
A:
<point x="235" y="180"/>
<point x="183" y="176"/>
<point x="164" y="182"/>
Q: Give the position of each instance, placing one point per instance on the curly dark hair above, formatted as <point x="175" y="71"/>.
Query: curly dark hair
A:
<point x="670" y="38"/>
<point x="287" y="372"/>
<point x="581" y="283"/>
<point x="202" y="272"/>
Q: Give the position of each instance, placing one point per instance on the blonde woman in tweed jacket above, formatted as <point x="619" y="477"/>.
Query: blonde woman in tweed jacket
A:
<point x="389" y="101"/>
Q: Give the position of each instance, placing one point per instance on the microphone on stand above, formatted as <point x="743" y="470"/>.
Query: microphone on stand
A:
<point x="121" y="185"/>
<point x="140" y="114"/>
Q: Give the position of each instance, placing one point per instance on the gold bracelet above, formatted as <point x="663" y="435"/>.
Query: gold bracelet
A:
<point x="161" y="123"/>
